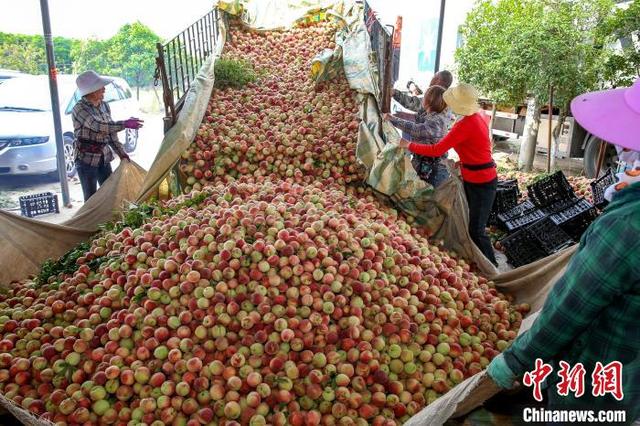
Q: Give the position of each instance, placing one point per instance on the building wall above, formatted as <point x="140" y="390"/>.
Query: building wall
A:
<point x="419" y="34"/>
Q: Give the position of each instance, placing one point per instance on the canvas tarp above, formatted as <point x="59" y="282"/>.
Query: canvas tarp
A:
<point x="278" y="14"/>
<point x="26" y="243"/>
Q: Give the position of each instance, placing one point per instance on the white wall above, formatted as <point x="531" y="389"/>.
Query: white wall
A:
<point x="419" y="33"/>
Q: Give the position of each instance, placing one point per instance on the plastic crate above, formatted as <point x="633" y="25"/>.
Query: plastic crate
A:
<point x="559" y="206"/>
<point x="520" y="249"/>
<point x="549" y="235"/>
<point x="39" y="204"/>
<point x="598" y="187"/>
<point x="507" y="195"/>
<point x="520" y="216"/>
<point x="550" y="190"/>
<point x="535" y="241"/>
<point x="575" y="219"/>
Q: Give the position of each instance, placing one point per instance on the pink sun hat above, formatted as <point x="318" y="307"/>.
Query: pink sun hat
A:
<point x="611" y="115"/>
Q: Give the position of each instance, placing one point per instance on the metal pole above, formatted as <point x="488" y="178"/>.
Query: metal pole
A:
<point x="55" y="104"/>
<point x="443" y="4"/>
<point x="549" y="136"/>
<point x="601" y="151"/>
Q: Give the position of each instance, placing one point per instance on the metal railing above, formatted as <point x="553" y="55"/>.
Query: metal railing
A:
<point x="381" y="44"/>
<point x="180" y="59"/>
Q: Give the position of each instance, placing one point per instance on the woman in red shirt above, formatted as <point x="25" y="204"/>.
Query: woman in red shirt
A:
<point x="469" y="137"/>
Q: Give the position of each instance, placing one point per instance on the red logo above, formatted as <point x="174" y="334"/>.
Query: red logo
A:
<point x="572" y="379"/>
<point x="536" y="377"/>
<point x="608" y="379"/>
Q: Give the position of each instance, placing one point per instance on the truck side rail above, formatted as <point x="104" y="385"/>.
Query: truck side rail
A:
<point x="179" y="60"/>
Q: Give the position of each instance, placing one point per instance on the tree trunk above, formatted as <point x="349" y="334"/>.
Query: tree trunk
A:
<point x="555" y="143"/>
<point x="138" y="93"/>
<point x="529" y="136"/>
<point x="493" y="119"/>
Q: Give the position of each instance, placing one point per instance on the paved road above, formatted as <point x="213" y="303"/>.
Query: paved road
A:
<point x="12" y="187"/>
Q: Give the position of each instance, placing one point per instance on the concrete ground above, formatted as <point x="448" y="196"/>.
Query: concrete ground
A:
<point x="12" y="187"/>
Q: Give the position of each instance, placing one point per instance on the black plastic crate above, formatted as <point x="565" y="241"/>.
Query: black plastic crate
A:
<point x="520" y="216"/>
<point x="507" y="195"/>
<point x="559" y="206"/>
<point x="39" y="204"/>
<point x="535" y="241"/>
<point x="549" y="235"/>
<point x="575" y="219"/>
<point x="598" y="187"/>
<point x="520" y="249"/>
<point x="509" y="183"/>
<point x="550" y="190"/>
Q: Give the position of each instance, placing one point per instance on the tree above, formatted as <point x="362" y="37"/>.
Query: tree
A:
<point x="132" y="52"/>
<point x="622" y="65"/>
<point x="26" y="53"/>
<point x="22" y="57"/>
<point x="516" y="49"/>
<point x="92" y="55"/>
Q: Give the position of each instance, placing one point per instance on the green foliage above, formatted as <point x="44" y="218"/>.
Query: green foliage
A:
<point x="233" y="73"/>
<point x="132" y="53"/>
<point x="26" y="53"/>
<point x="91" y="55"/>
<point x="66" y="264"/>
<point x="622" y="65"/>
<point x="515" y="48"/>
<point x="129" y="54"/>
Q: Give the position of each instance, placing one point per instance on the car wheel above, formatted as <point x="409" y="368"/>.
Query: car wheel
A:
<point x="590" y="161"/>
<point x="131" y="140"/>
<point x="69" y="160"/>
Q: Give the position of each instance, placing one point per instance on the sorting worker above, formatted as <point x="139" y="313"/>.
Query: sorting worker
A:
<point x="96" y="134"/>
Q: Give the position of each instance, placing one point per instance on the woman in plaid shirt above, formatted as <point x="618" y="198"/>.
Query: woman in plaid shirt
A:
<point x="96" y="134"/>
<point x="430" y="125"/>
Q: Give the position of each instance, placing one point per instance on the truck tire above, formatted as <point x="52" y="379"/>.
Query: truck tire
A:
<point x="590" y="161"/>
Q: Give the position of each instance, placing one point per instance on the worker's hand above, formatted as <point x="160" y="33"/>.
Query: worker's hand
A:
<point x="125" y="157"/>
<point x="386" y="116"/>
<point x="403" y="143"/>
<point x="500" y="373"/>
<point x="133" y="123"/>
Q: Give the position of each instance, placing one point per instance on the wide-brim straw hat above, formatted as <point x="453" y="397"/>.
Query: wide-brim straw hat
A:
<point x="90" y="81"/>
<point x="612" y="115"/>
<point x="462" y="99"/>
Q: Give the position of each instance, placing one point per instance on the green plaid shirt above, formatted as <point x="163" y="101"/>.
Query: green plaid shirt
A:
<point x="593" y="312"/>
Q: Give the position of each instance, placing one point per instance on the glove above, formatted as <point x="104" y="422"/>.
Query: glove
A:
<point x="500" y="372"/>
<point x="133" y="123"/>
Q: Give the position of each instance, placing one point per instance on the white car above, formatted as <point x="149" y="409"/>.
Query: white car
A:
<point x="7" y="74"/>
<point x="27" y="137"/>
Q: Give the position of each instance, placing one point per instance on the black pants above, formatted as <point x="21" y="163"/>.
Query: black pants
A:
<point x="90" y="177"/>
<point x="480" y="198"/>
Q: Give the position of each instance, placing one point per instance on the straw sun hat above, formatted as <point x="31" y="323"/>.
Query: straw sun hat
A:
<point x="462" y="99"/>
<point x="90" y="81"/>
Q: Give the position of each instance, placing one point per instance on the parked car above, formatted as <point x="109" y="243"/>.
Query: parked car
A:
<point x="7" y="74"/>
<point x="27" y="138"/>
